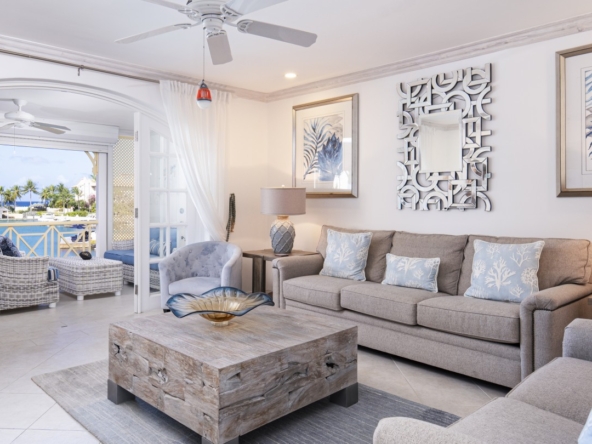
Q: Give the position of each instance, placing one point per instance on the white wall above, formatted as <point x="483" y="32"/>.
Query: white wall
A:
<point x="522" y="189"/>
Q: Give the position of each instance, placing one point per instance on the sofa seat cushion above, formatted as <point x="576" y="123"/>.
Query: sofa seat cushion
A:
<point x="194" y="285"/>
<point x="477" y="318"/>
<point x="127" y="257"/>
<point x="506" y="421"/>
<point x="449" y="249"/>
<point x="563" y="387"/>
<point x="320" y="291"/>
<point x="398" y="304"/>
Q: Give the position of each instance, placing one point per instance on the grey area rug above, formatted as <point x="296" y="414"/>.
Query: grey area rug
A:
<point x="82" y="392"/>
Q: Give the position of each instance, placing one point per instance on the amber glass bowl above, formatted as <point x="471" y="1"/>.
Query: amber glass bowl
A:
<point x="219" y="305"/>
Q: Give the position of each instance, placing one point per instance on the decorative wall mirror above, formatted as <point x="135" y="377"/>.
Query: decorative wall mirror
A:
<point x="445" y="160"/>
<point x="440" y="142"/>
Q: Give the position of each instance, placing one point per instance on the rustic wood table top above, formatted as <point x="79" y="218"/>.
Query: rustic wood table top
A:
<point x="269" y="255"/>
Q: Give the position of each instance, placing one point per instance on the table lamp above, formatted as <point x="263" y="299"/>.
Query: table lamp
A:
<point x="283" y="202"/>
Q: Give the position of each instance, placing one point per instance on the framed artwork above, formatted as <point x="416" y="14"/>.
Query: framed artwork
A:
<point x="325" y="147"/>
<point x="574" y="126"/>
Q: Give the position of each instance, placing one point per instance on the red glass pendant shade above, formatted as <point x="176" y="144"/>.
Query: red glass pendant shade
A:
<point x="204" y="96"/>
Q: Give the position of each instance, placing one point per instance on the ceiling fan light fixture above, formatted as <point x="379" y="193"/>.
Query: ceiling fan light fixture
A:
<point x="290" y="75"/>
<point x="204" y="96"/>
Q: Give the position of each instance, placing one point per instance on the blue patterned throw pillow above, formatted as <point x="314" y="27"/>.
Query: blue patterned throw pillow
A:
<point x="412" y="272"/>
<point x="347" y="254"/>
<point x="505" y="272"/>
<point x="586" y="435"/>
<point x="8" y="248"/>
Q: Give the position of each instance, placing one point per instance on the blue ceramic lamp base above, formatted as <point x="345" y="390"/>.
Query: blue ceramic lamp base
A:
<point x="282" y="235"/>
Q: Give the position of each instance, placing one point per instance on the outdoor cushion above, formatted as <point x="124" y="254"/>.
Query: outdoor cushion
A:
<point x="127" y="257"/>
<point x="563" y="387"/>
<point x="504" y="421"/>
<point x="380" y="245"/>
<point x="8" y="248"/>
<point x="449" y="249"/>
<point x="412" y="272"/>
<point x="563" y="261"/>
<point x="53" y="274"/>
<point x="477" y="318"/>
<point x="194" y="285"/>
<point x="320" y="291"/>
<point x="347" y="254"/>
<point x="398" y="304"/>
<point x="505" y="272"/>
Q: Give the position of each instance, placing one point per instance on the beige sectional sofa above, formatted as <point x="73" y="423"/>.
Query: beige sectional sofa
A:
<point x="495" y="341"/>
<point x="550" y="406"/>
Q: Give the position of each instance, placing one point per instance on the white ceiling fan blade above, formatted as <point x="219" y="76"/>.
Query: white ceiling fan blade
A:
<point x="155" y="32"/>
<point x="242" y="7"/>
<point x="55" y="129"/>
<point x="6" y="127"/>
<point x="219" y="48"/>
<point x="167" y="4"/>
<point x="281" y="33"/>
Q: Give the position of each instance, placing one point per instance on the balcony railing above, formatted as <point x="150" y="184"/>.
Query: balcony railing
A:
<point x="49" y="238"/>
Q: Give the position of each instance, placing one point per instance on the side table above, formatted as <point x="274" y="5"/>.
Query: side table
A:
<point x="260" y="257"/>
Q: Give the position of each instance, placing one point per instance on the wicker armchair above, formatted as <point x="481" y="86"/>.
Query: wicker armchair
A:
<point x="128" y="269"/>
<point x="24" y="282"/>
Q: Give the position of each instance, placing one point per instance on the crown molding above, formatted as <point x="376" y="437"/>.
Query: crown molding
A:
<point x="574" y="25"/>
<point x="549" y="31"/>
<point x="25" y="48"/>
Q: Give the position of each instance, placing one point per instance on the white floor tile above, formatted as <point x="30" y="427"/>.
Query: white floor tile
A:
<point x="21" y="411"/>
<point x="7" y="436"/>
<point x="55" y="437"/>
<point x="56" y="418"/>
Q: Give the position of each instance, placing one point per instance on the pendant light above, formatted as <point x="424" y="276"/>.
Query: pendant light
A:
<point x="204" y="96"/>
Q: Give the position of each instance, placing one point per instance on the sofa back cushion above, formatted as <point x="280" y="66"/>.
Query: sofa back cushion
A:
<point x="379" y="247"/>
<point x="448" y="248"/>
<point x="563" y="261"/>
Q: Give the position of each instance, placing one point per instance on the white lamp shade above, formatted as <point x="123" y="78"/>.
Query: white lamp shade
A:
<point x="283" y="201"/>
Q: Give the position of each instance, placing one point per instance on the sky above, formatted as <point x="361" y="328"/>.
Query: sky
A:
<point x="42" y="165"/>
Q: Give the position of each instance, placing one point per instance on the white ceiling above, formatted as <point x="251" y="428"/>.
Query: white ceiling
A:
<point x="353" y="34"/>
<point x="68" y="107"/>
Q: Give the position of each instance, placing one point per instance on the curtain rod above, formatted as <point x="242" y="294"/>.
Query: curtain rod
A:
<point x="79" y="67"/>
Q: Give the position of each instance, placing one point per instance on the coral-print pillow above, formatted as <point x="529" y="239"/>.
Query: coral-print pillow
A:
<point x="505" y="272"/>
<point x="347" y="254"/>
<point x="412" y="272"/>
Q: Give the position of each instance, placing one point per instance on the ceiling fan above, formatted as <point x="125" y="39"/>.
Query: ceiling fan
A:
<point x="22" y="119"/>
<point x="214" y="14"/>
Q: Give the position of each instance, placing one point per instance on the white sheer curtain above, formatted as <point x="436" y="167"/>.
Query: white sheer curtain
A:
<point x="200" y="139"/>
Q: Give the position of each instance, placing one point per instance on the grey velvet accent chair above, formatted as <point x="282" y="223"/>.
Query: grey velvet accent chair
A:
<point x="200" y="267"/>
<point x="549" y="406"/>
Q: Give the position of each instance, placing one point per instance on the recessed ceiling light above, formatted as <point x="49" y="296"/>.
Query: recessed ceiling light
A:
<point x="290" y="75"/>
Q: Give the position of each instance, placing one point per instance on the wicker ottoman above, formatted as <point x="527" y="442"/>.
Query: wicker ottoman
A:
<point x="83" y="278"/>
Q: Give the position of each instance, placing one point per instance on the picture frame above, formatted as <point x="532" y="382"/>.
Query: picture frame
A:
<point x="574" y="122"/>
<point x="325" y="147"/>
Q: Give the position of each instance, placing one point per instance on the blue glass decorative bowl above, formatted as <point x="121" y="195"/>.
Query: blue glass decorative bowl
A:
<point x="219" y="305"/>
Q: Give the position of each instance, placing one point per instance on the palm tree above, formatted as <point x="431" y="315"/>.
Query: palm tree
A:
<point x="1" y="196"/>
<point x="47" y="193"/>
<point x="64" y="197"/>
<point x="30" y="187"/>
<point x="77" y="193"/>
<point x="16" y="194"/>
<point x="7" y="196"/>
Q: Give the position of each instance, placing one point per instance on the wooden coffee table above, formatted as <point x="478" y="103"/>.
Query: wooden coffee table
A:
<point x="223" y="382"/>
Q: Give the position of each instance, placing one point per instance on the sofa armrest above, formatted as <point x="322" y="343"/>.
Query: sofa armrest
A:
<point x="291" y="267"/>
<point x="577" y="341"/>
<point x="413" y="431"/>
<point x="123" y="245"/>
<point x="543" y="318"/>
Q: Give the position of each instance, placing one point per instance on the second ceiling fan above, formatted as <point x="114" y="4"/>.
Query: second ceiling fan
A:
<point x="214" y="14"/>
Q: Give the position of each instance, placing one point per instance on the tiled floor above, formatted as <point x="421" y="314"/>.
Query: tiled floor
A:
<point x="40" y="340"/>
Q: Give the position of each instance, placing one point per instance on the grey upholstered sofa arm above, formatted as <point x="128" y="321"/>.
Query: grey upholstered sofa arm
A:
<point x="413" y="431"/>
<point x="291" y="267"/>
<point x="232" y="272"/>
<point x="577" y="341"/>
<point x="549" y="312"/>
